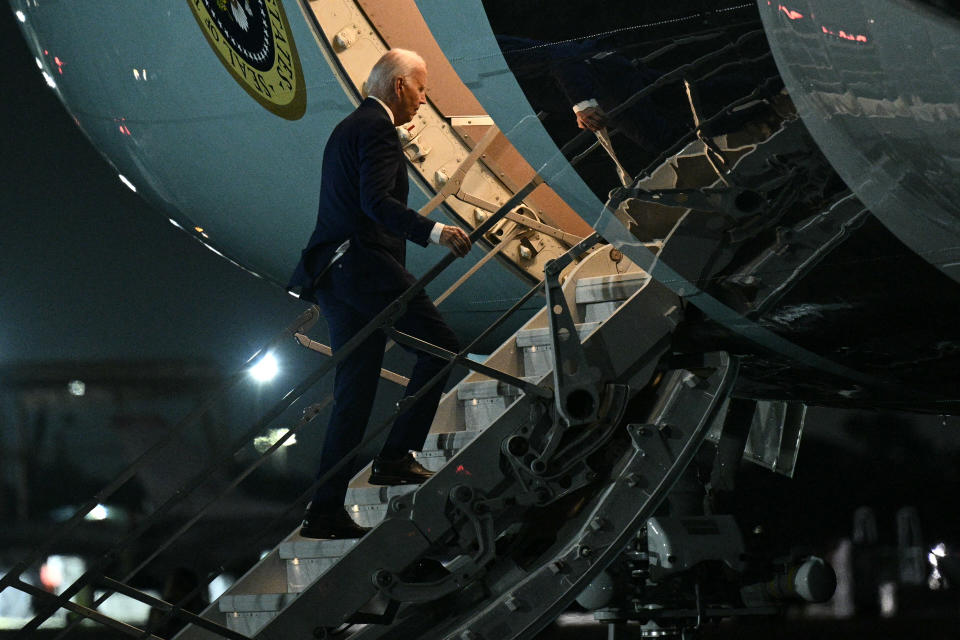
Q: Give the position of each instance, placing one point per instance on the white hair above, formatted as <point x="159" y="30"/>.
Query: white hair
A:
<point x="396" y="63"/>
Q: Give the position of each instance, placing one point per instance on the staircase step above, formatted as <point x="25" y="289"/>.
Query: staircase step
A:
<point x="306" y="559"/>
<point x="435" y="459"/>
<point x="367" y="503"/>
<point x="600" y="311"/>
<point x="541" y="337"/>
<point x="606" y="288"/>
<point x="247" y="614"/>
<point x="480" y="413"/>
<point x="488" y="388"/>
<point x="483" y="401"/>
<point x="361" y="494"/>
<point x="440" y="447"/>
<point x="368" y="515"/>
<point x="448" y="441"/>
<point x="537" y="350"/>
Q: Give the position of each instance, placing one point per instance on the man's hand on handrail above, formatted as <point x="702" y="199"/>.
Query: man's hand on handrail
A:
<point x="456" y="240"/>
<point x="592" y="118"/>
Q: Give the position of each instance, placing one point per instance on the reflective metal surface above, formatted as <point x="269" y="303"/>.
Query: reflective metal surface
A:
<point x="876" y="83"/>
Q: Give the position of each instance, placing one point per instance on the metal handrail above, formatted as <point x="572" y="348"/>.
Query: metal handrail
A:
<point x="386" y="374"/>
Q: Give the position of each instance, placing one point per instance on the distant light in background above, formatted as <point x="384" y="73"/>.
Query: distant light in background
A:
<point x="265" y="370"/>
<point x="219" y="585"/>
<point x="175" y="223"/>
<point x="50" y="81"/>
<point x="793" y="15"/>
<point x="124" y="180"/>
<point x="136" y="74"/>
<point x="15" y="606"/>
<point x="796" y="15"/>
<point x="936" y="582"/>
<point x="21" y="16"/>
<point x="39" y="63"/>
<point x="59" y="571"/>
<point x="99" y="512"/>
<point x="262" y="443"/>
<point x="888" y="599"/>
<point x="51" y="573"/>
<point x="77" y="387"/>
<point x="576" y="620"/>
<point x="201" y="231"/>
<point x="124" y="608"/>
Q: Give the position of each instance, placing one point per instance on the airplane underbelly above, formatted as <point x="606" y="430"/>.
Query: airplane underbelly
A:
<point x="203" y="133"/>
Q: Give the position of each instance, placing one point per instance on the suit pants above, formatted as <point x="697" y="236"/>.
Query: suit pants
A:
<point x="357" y="377"/>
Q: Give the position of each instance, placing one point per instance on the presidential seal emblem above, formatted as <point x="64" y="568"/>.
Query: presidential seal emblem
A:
<point x="254" y="42"/>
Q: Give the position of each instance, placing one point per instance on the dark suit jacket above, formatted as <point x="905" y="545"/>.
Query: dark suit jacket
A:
<point x="363" y="198"/>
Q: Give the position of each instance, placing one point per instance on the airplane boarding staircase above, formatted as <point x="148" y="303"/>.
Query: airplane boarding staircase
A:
<point x="546" y="469"/>
<point x="554" y="454"/>
<point x="467" y="415"/>
<point x="481" y="419"/>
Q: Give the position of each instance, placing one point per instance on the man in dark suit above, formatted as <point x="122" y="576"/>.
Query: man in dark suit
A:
<point x="363" y="195"/>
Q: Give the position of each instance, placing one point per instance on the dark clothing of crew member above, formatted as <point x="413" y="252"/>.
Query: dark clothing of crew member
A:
<point x="559" y="75"/>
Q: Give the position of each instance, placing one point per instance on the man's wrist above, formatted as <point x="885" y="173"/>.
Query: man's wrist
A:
<point x="435" y="232"/>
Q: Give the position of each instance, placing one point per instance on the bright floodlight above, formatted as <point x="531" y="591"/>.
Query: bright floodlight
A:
<point x="265" y="370"/>
<point x="99" y="512"/>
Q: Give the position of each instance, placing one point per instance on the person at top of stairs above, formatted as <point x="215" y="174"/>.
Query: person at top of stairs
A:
<point x="353" y="267"/>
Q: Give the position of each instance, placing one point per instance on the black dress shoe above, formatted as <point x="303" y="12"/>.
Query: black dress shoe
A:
<point x="406" y="470"/>
<point x="331" y="526"/>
